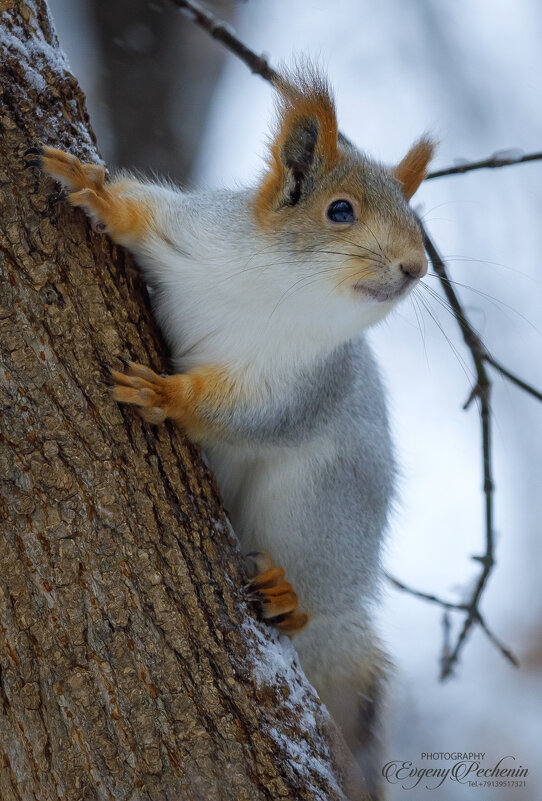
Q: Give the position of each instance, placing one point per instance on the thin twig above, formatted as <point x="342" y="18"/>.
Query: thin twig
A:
<point x="513" y="378"/>
<point x="446" y="631"/>
<point x="473" y="340"/>
<point x="259" y="65"/>
<point x="505" y="651"/>
<point x="450" y="605"/>
<point x="497" y="160"/>
<point x="425" y="596"/>
<point x="482" y="389"/>
<point x="222" y="32"/>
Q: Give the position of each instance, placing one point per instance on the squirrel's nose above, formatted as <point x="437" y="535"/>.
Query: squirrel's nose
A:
<point x="413" y="268"/>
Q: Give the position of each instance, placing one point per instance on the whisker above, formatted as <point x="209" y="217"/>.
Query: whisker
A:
<point x="453" y="257"/>
<point x="468" y="373"/>
<point x="355" y="244"/>
<point x="365" y="225"/>
<point x="445" y="304"/>
<point x="414" y="301"/>
<point x="304" y="280"/>
<point x="496" y="302"/>
<point x="440" y="205"/>
<point x="308" y="280"/>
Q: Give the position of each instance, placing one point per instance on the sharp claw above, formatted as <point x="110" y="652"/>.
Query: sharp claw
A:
<point x="125" y="362"/>
<point x="250" y="583"/>
<point x="34" y="151"/>
<point x="57" y="197"/>
<point x="278" y="618"/>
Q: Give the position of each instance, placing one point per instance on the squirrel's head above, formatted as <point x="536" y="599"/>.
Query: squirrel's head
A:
<point x="345" y="217"/>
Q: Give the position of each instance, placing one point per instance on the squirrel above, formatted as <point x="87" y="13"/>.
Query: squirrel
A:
<point x="264" y="296"/>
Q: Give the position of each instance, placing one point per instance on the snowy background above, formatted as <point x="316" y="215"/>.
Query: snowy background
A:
<point x="470" y="72"/>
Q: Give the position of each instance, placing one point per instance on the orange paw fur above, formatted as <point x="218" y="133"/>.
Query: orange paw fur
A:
<point x="157" y="397"/>
<point x="191" y="400"/>
<point x="111" y="209"/>
<point x="275" y="596"/>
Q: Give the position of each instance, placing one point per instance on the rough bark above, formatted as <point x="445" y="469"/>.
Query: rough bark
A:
<point x="131" y="667"/>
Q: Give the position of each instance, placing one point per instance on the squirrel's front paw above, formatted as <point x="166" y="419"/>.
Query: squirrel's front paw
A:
<point x="275" y="597"/>
<point x="110" y="206"/>
<point x="67" y="168"/>
<point x="84" y="182"/>
<point x="156" y="396"/>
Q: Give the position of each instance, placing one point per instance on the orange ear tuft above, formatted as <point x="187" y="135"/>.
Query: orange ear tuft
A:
<point x="411" y="171"/>
<point x="305" y="144"/>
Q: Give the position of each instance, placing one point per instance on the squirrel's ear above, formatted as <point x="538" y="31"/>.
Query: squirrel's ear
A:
<point x="411" y="171"/>
<point x="305" y="143"/>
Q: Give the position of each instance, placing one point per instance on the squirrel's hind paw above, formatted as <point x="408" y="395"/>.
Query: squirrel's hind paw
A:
<point x="276" y="598"/>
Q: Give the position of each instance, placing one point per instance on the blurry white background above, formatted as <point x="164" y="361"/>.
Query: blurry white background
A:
<point x="470" y="72"/>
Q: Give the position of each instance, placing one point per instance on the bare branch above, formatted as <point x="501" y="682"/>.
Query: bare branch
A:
<point x="447" y="606"/>
<point x="473" y="340"/>
<point x="513" y="378"/>
<point x="222" y="32"/>
<point x="425" y="596"/>
<point x="482" y="390"/>
<point x="506" y="652"/>
<point x="446" y="631"/>
<point x="501" y="159"/>
<point x="259" y="65"/>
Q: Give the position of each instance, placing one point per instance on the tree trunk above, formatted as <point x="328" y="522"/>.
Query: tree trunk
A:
<point x="131" y="666"/>
<point x="159" y="72"/>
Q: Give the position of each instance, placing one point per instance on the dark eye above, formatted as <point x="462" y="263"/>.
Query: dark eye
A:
<point x="340" y="211"/>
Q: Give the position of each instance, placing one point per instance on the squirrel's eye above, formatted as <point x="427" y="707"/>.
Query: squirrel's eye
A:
<point x="340" y="211"/>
